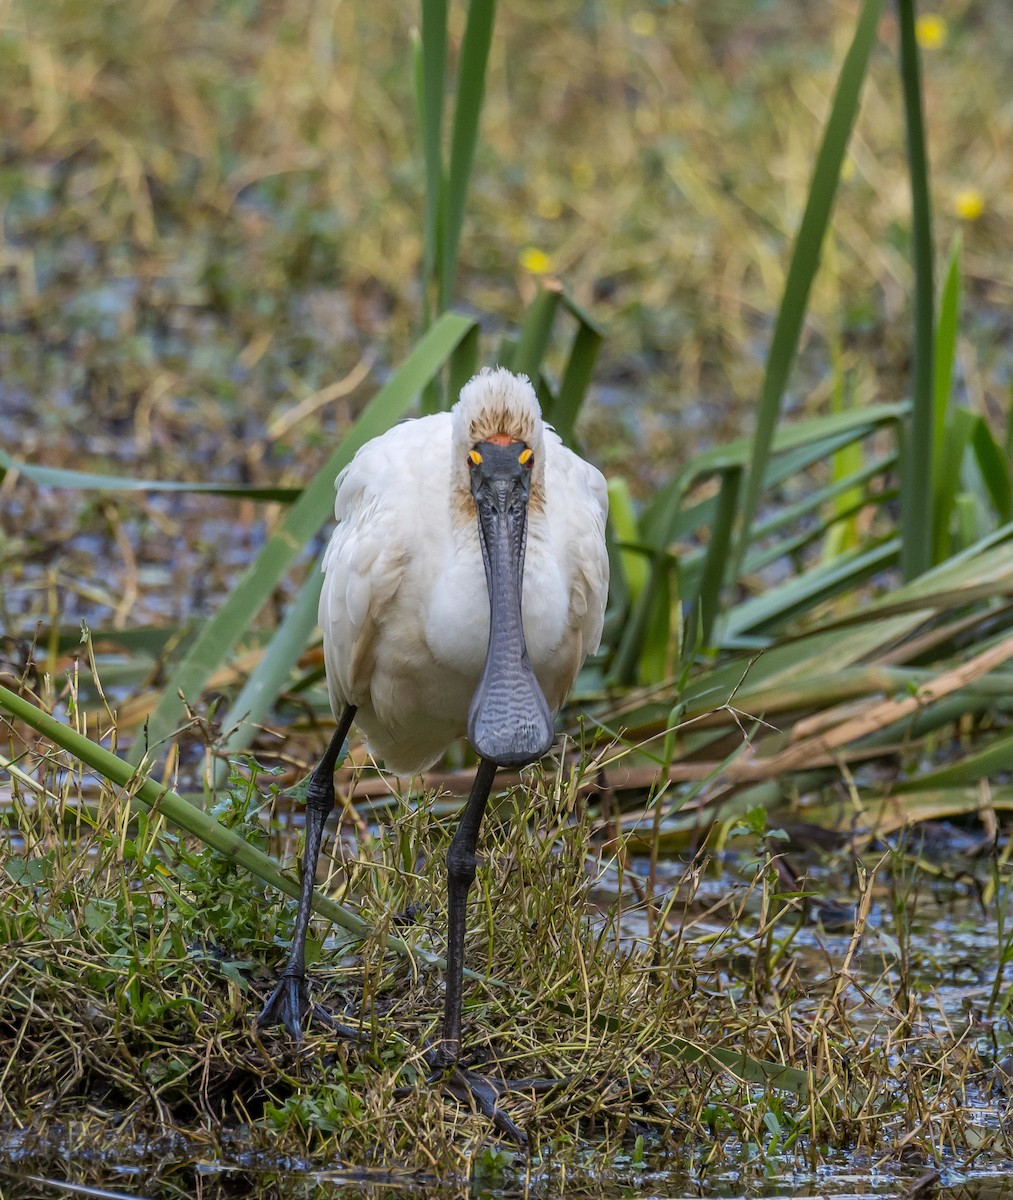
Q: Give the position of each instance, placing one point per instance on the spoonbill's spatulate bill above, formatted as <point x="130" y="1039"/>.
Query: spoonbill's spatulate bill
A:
<point x="464" y="585"/>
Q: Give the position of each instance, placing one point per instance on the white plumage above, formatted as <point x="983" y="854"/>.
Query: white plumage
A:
<point x="464" y="586"/>
<point x="404" y="609"/>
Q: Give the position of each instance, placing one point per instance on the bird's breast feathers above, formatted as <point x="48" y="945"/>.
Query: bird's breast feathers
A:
<point x="457" y="624"/>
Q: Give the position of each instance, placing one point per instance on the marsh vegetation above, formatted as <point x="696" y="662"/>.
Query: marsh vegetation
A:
<point x="753" y="913"/>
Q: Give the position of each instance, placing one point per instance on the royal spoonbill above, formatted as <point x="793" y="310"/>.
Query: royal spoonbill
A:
<point x="464" y="585"/>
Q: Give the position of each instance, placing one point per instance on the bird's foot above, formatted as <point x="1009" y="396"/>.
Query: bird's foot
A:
<point x="484" y="1093"/>
<point x="481" y="1092"/>
<point x="289" y="1005"/>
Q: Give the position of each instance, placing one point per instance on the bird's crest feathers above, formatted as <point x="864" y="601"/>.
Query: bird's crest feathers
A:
<point x="496" y="404"/>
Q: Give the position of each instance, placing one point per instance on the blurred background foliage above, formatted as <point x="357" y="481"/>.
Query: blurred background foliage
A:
<point x="211" y="206"/>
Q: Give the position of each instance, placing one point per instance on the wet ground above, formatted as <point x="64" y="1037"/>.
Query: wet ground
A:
<point x="650" y="1181"/>
<point x="940" y="942"/>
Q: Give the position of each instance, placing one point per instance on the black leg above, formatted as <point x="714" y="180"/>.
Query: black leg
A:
<point x="289" y="1002"/>
<point x="460" y="876"/>
<point x="466" y="1086"/>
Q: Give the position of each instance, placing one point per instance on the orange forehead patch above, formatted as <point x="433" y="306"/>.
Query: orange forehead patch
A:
<point x="501" y="439"/>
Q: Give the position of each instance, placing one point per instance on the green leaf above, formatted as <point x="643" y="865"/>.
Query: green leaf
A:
<point x="805" y="261"/>
<point x="577" y="373"/>
<point x="796" y="447"/>
<point x="844" y="534"/>
<point x="431" y="72"/>
<point x="852" y="486"/>
<point x="946" y="351"/>
<point x="624" y="525"/>
<point x="958" y="434"/>
<point x="658" y="654"/>
<point x="527" y="355"/>
<point x="58" y="477"/>
<point x="463" y="364"/>
<point x="776" y="606"/>
<point x="968" y="514"/>
<point x="816" y="438"/>
<point x="705" y="605"/>
<point x="989" y="760"/>
<point x="1009" y="426"/>
<point x="790" y="547"/>
<point x="996" y="469"/>
<point x="618" y="604"/>
<point x="467" y="110"/>
<point x="647" y="615"/>
<point x="916" y="475"/>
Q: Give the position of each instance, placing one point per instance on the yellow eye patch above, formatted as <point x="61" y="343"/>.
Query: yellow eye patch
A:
<point x="475" y="457"/>
<point x="525" y="455"/>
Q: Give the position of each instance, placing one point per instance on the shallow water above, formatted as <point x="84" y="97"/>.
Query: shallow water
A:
<point x="951" y="944"/>
<point x="847" y="1181"/>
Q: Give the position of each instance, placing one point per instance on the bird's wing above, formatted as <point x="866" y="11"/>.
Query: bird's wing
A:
<point x="363" y="566"/>
<point x="580" y="509"/>
<point x="589" y="563"/>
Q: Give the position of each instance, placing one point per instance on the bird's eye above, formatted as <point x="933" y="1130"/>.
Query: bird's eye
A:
<point x="474" y="457"/>
<point x="526" y="457"/>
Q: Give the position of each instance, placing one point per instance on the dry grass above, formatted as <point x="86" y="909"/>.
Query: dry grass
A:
<point x="135" y="963"/>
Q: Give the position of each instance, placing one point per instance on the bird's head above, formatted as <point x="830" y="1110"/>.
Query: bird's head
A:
<point x="497" y="425"/>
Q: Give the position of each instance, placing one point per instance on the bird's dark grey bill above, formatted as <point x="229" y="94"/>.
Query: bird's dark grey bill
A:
<point x="509" y="721"/>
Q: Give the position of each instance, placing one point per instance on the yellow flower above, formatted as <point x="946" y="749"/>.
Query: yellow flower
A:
<point x="643" y="24"/>
<point x="969" y="204"/>
<point x="535" y="261"/>
<point x="582" y="173"/>
<point x="548" y="207"/>
<point x="930" y="31"/>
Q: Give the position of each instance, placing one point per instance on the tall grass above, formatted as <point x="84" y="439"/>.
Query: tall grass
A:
<point x="751" y="652"/>
<point x="919" y="458"/>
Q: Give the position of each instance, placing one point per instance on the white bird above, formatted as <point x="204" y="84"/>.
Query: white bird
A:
<point x="464" y="586"/>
